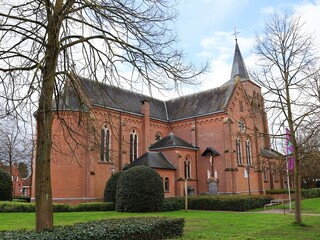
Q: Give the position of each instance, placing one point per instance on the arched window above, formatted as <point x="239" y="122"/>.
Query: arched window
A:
<point x="187" y="167"/>
<point x="265" y="173"/>
<point x="238" y="150"/>
<point x="166" y="184"/>
<point x="248" y="152"/>
<point x="133" y="145"/>
<point x="105" y="143"/>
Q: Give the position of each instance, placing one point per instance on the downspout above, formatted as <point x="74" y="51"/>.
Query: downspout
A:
<point x="196" y="145"/>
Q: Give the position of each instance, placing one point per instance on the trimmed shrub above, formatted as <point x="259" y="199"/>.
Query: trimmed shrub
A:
<point x="113" y="229"/>
<point x="16" y="207"/>
<point x="140" y="189"/>
<point x="310" y="193"/>
<point x="111" y="188"/>
<point x="57" y="207"/>
<point x="228" y="203"/>
<point x="279" y="191"/>
<point x="173" y="204"/>
<point x="93" y="206"/>
<point x="5" y="186"/>
<point x="60" y="207"/>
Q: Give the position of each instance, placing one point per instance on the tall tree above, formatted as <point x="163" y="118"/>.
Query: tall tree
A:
<point x="286" y="69"/>
<point x="43" y="43"/>
<point x="15" y="147"/>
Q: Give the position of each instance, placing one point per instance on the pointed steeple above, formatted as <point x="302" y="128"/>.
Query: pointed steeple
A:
<point x="238" y="67"/>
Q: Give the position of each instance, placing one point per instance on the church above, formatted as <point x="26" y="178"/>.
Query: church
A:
<point x="213" y="142"/>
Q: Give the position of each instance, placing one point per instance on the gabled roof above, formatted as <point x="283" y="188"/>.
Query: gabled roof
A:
<point x="199" y="104"/>
<point x="153" y="160"/>
<point x="107" y="96"/>
<point x="238" y="66"/>
<point x="172" y="141"/>
<point x="194" y="105"/>
<point x="210" y="151"/>
<point x="99" y="94"/>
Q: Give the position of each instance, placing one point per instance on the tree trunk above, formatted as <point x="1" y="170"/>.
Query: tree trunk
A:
<point x="297" y="177"/>
<point x="43" y="191"/>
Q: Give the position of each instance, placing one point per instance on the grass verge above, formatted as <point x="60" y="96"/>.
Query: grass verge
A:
<point x="199" y="224"/>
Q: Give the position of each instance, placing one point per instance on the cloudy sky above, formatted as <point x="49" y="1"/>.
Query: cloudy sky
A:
<point x="205" y="29"/>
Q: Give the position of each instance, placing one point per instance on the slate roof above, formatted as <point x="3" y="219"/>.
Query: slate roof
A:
<point x="108" y="96"/>
<point x="270" y="153"/>
<point x="172" y="141"/>
<point x="194" y="105"/>
<point x="153" y="160"/>
<point x="198" y="104"/>
<point x="238" y="66"/>
<point x="211" y="151"/>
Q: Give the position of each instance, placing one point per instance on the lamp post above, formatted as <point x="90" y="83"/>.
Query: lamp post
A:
<point x="112" y="169"/>
<point x="248" y="173"/>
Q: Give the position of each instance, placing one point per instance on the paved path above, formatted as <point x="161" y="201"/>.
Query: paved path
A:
<point x="287" y="211"/>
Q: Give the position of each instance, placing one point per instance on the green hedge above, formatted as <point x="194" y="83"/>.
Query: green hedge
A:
<point x="173" y="204"/>
<point x="113" y="229"/>
<point x="93" y="206"/>
<point x="305" y="193"/>
<point x="310" y="193"/>
<point x="206" y="202"/>
<point x="279" y="191"/>
<point x="57" y="207"/>
<point x="228" y="202"/>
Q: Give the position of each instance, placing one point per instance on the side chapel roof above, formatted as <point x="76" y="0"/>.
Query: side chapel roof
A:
<point x="153" y="160"/>
<point x="171" y="141"/>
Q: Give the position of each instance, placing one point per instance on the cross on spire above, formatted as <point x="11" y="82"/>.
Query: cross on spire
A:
<point x="235" y="34"/>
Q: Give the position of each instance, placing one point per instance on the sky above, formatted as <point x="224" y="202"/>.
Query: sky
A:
<point x="205" y="29"/>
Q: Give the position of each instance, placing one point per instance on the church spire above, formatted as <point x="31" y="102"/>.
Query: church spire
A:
<point x="238" y="66"/>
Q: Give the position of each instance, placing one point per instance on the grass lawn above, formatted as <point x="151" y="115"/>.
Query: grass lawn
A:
<point x="200" y="224"/>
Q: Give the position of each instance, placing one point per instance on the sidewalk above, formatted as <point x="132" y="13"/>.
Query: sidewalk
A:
<point x="286" y="211"/>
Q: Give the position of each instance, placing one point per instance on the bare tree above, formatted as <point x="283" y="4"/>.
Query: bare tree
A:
<point x="287" y="60"/>
<point x="44" y="43"/>
<point x="309" y="154"/>
<point x="15" y="147"/>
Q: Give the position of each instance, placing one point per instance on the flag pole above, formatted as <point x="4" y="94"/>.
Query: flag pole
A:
<point x="288" y="186"/>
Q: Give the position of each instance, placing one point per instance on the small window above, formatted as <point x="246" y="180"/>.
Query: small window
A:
<point x="133" y="145"/>
<point x="105" y="144"/>
<point x="238" y="151"/>
<point x="166" y="184"/>
<point x="265" y="173"/>
<point x="248" y="152"/>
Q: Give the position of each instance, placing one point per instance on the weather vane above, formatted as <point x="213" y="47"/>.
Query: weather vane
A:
<point x="235" y="34"/>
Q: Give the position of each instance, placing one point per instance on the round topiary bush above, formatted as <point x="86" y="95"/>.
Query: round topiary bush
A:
<point x="139" y="189"/>
<point x="5" y="186"/>
<point x="111" y="188"/>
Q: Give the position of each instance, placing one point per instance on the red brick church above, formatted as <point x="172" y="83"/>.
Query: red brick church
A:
<point x="216" y="139"/>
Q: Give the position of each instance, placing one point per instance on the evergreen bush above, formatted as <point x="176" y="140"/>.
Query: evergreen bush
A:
<point x="5" y="186"/>
<point x="139" y="189"/>
<point x="111" y="188"/>
<point x="142" y="228"/>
